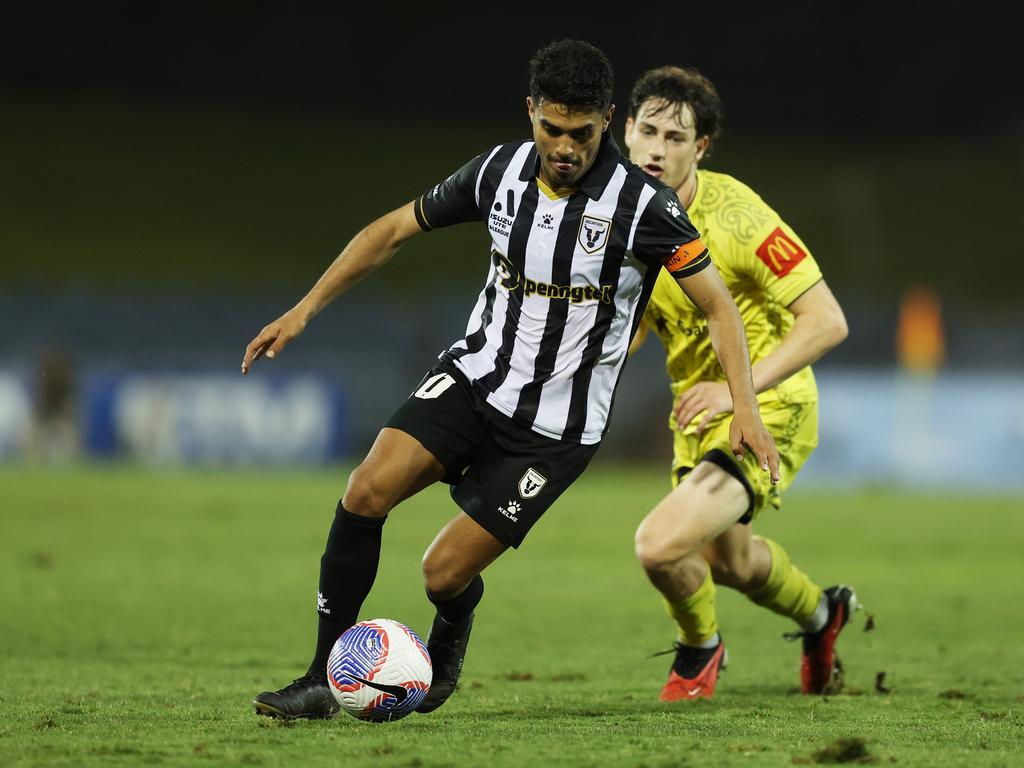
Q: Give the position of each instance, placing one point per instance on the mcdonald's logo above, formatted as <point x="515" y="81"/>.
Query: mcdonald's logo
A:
<point x="780" y="253"/>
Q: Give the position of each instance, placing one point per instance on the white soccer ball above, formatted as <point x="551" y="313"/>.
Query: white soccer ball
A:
<point x="379" y="670"/>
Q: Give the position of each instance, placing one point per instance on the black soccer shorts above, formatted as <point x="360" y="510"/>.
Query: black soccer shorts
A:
<point x="502" y="475"/>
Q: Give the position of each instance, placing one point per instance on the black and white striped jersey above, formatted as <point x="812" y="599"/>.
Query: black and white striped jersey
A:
<point x="569" y="279"/>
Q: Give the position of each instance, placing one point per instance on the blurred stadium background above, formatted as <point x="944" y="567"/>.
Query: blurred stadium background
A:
<point x="174" y="178"/>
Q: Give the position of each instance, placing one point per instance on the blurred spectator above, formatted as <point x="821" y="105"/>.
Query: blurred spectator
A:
<point x="921" y="351"/>
<point x="920" y="342"/>
<point x="54" y="434"/>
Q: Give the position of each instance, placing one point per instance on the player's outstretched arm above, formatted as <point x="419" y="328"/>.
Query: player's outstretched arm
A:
<point x="367" y="251"/>
<point x="818" y="326"/>
<point x="709" y="293"/>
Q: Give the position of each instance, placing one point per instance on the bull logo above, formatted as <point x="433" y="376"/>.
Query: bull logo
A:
<point x="594" y="233"/>
<point x="531" y="483"/>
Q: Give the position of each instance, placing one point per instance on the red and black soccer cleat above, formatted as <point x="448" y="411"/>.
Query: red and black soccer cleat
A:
<point x="821" y="672"/>
<point x="694" y="672"/>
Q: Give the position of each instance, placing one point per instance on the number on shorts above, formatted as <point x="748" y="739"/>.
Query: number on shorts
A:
<point x="434" y="386"/>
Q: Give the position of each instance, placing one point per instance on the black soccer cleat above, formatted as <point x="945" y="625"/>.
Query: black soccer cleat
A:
<point x="309" y="697"/>
<point x="447" y="647"/>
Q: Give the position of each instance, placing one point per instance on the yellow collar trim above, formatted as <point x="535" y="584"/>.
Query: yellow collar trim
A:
<point x="550" y="193"/>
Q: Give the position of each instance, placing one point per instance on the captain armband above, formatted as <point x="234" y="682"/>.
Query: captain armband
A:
<point x="688" y="259"/>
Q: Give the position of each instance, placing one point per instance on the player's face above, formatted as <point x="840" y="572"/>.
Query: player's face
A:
<point x="567" y="140"/>
<point x="663" y="140"/>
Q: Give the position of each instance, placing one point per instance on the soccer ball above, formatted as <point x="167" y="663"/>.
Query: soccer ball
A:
<point x="379" y="670"/>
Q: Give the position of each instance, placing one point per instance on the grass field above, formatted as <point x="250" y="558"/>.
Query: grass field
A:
<point x="141" y="611"/>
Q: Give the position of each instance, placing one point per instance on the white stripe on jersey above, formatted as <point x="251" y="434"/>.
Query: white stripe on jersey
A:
<point x="645" y="199"/>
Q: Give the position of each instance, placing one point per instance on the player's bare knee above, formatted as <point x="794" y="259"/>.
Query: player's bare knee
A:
<point x="363" y="495"/>
<point x="442" y="580"/>
<point x="657" y="552"/>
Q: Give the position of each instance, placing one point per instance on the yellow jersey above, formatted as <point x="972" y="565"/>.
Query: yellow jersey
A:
<point x="765" y="266"/>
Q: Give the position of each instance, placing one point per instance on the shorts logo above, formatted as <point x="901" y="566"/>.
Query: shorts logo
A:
<point x="512" y="510"/>
<point x="593" y="233"/>
<point x="531" y="483"/>
<point x="780" y="252"/>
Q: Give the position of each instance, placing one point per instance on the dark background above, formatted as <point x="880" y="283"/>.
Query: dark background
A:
<point x="174" y="175"/>
<point x="856" y="73"/>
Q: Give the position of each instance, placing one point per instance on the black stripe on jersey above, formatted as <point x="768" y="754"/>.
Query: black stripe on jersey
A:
<point x="625" y="210"/>
<point x="476" y="340"/>
<point x="493" y="174"/>
<point x="558" y="311"/>
<point x="517" y="242"/>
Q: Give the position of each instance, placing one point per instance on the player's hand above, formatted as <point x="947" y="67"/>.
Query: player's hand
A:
<point x="273" y="338"/>
<point x="747" y="429"/>
<point x="712" y="397"/>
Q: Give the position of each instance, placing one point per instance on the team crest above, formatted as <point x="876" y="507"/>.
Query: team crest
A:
<point x="594" y="233"/>
<point x="531" y="483"/>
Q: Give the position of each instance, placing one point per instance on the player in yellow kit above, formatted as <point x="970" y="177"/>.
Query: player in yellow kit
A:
<point x="700" y="534"/>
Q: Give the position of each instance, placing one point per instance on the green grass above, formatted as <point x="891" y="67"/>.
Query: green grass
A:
<point x="141" y="611"/>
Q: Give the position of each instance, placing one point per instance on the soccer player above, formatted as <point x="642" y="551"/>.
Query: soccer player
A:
<point x="513" y="412"/>
<point x="700" y="534"/>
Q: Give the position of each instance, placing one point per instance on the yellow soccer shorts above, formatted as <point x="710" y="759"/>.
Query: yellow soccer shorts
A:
<point x="794" y="426"/>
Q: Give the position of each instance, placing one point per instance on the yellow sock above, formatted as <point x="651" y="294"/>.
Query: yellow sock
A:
<point x="788" y="591"/>
<point x="695" y="616"/>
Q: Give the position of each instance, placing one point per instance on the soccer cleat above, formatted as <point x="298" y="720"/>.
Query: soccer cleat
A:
<point x="694" y="672"/>
<point x="447" y="647"/>
<point x="820" y="669"/>
<point x="305" y="698"/>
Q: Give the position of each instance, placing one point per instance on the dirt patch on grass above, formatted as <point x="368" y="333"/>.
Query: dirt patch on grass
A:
<point x="848" y="749"/>
<point x="519" y="677"/>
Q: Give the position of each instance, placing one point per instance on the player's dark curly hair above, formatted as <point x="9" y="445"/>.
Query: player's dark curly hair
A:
<point x="675" y="86"/>
<point x="573" y="73"/>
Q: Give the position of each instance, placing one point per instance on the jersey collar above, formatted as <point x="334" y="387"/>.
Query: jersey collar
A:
<point x="596" y="179"/>
<point x="698" y="194"/>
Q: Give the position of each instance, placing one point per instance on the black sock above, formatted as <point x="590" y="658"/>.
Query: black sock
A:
<point x="458" y="608"/>
<point x="347" y="572"/>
